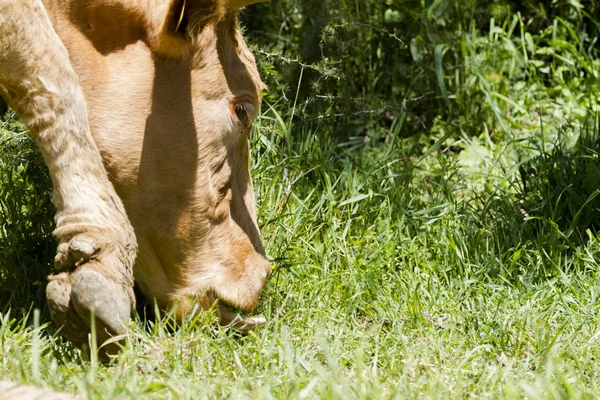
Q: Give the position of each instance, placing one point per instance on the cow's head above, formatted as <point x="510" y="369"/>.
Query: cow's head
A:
<point x="172" y="94"/>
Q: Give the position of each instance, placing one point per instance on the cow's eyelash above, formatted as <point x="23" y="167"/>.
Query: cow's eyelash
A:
<point x="241" y="111"/>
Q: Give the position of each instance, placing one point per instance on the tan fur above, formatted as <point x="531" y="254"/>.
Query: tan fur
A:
<point x="159" y="102"/>
<point x="38" y="81"/>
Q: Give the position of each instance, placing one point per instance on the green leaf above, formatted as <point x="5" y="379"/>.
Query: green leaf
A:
<point x="440" y="50"/>
<point x="354" y="199"/>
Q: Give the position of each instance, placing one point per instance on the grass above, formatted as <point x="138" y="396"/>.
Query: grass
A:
<point x="452" y="264"/>
<point x="394" y="278"/>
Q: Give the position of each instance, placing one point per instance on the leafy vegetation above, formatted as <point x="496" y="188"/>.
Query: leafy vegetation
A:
<point x="428" y="183"/>
<point x="26" y="245"/>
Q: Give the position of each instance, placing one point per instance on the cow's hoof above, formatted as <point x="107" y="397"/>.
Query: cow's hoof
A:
<point x="73" y="328"/>
<point x="93" y="293"/>
<point x="74" y="298"/>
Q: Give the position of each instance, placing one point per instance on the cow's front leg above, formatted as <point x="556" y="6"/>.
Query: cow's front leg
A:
<point x="97" y="243"/>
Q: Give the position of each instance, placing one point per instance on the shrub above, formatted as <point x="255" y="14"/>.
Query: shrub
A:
<point x="26" y="244"/>
<point x="363" y="65"/>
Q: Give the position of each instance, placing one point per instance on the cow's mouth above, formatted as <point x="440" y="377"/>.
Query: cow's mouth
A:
<point x="239" y="321"/>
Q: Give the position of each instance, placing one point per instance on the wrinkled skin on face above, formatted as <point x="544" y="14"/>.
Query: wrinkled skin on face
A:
<point x="172" y="91"/>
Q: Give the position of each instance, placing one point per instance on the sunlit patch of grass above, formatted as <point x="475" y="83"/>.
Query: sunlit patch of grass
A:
<point x="391" y="280"/>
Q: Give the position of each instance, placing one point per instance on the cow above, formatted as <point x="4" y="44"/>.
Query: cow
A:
<point x="142" y="110"/>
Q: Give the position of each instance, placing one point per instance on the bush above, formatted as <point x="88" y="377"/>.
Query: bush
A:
<point x="363" y="65"/>
<point x="26" y="244"/>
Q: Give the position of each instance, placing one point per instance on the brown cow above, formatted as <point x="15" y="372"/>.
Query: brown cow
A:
<point x="142" y="110"/>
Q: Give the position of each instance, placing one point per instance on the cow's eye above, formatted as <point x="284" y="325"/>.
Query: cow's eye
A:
<point x="241" y="111"/>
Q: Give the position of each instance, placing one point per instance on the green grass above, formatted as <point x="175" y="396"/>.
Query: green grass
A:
<point x="460" y="262"/>
<point x="396" y="277"/>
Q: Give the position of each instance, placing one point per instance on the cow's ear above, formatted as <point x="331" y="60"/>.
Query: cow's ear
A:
<point x="172" y="23"/>
<point x="165" y="27"/>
